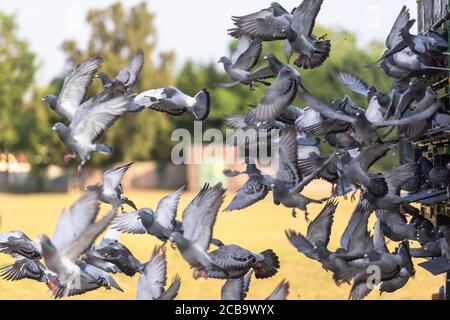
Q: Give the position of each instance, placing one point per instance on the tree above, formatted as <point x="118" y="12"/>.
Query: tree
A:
<point x="17" y="70"/>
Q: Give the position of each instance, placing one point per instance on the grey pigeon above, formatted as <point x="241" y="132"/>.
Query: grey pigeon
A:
<point x="394" y="41"/>
<point x="395" y="226"/>
<point x="198" y="223"/>
<point x="75" y="232"/>
<point x="117" y="254"/>
<point x="111" y="190"/>
<point x="390" y="266"/>
<point x="249" y="132"/>
<point x="152" y="282"/>
<point x="173" y="101"/>
<point x="280" y="93"/>
<point x="91" y="278"/>
<point x="160" y="223"/>
<point x="74" y="89"/>
<point x="437" y="175"/>
<point x="265" y="25"/>
<point x="235" y="261"/>
<point x="89" y="122"/>
<point x="128" y="76"/>
<point x="18" y="243"/>
<point x="255" y="188"/>
<point x="24" y="268"/>
<point x="242" y="61"/>
<point x="313" y="51"/>
<point x="394" y="178"/>
<point x="314" y="245"/>
<point x="288" y="184"/>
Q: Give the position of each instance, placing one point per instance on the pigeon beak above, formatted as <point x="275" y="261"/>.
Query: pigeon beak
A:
<point x="43" y="100"/>
<point x="96" y="76"/>
<point x="54" y="128"/>
<point x="265" y="58"/>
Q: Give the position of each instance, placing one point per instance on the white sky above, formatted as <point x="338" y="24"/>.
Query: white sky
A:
<point x="194" y="29"/>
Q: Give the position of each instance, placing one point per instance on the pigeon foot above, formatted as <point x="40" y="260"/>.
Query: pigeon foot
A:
<point x="173" y="245"/>
<point x="294" y="213"/>
<point x="68" y="157"/>
<point x="306" y="217"/>
<point x="79" y="170"/>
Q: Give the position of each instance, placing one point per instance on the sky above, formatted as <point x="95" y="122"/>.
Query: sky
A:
<point x="194" y="29"/>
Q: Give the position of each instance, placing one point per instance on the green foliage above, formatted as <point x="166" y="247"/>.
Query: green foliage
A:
<point x="17" y="69"/>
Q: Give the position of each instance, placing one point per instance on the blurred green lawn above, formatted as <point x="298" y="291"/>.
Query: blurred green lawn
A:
<point x="256" y="228"/>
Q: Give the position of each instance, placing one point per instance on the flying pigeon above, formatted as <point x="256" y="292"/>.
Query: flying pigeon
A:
<point x="173" y="101"/>
<point x="242" y="61"/>
<point x="111" y="190"/>
<point x="75" y="87"/>
<point x="313" y="51"/>
<point x="288" y="184"/>
<point x="198" y="222"/>
<point x="280" y="93"/>
<point x="237" y="261"/>
<point x="91" y="278"/>
<point x="74" y="233"/>
<point x="89" y="122"/>
<point x="128" y="76"/>
<point x="152" y="282"/>
<point x="18" y="243"/>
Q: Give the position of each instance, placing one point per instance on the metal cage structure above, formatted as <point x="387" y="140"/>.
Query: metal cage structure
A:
<point x="433" y="15"/>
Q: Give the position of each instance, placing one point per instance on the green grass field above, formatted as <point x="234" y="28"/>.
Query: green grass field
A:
<point x="256" y="228"/>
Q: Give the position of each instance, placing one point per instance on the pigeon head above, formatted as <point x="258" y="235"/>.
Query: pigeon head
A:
<point x="443" y="232"/>
<point x="106" y="82"/>
<point x="278" y="9"/>
<point x="50" y="100"/>
<point x="223" y="60"/>
<point x="146" y="215"/>
<point x="290" y="34"/>
<point x="60" y="129"/>
<point x="46" y="244"/>
<point x="274" y="63"/>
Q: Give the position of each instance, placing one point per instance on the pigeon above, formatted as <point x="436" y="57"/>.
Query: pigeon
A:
<point x="198" y="222"/>
<point x="280" y="292"/>
<point x="111" y="237"/>
<point x="394" y="179"/>
<point x="248" y="132"/>
<point x="160" y="223"/>
<point x="128" y="76"/>
<point x="89" y="122"/>
<point x="154" y="278"/>
<point x="173" y="101"/>
<point x="390" y="266"/>
<point x="437" y="175"/>
<point x="18" y="243"/>
<point x="75" y="231"/>
<point x="312" y="51"/>
<point x="91" y="278"/>
<point x="395" y="226"/>
<point x="406" y="62"/>
<point x="394" y="41"/>
<point x="235" y="261"/>
<point x="265" y="25"/>
<point x="379" y="103"/>
<point x="111" y="190"/>
<point x="24" y="268"/>
<point x="255" y="188"/>
<point x="356" y="169"/>
<point x="288" y="184"/>
<point x="280" y="93"/>
<point x="117" y="254"/>
<point x="431" y="45"/>
<point x="314" y="245"/>
<point x="242" y="61"/>
<point x="74" y="89"/>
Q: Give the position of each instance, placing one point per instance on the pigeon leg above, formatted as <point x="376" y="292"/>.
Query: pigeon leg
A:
<point x="164" y="248"/>
<point x="306" y="217"/>
<point x="69" y="157"/>
<point x="252" y="86"/>
<point x="353" y="196"/>
<point x="204" y="275"/>
<point x="79" y="170"/>
<point x="294" y="213"/>
<point x="195" y="274"/>
<point x="173" y="245"/>
<point x="333" y="190"/>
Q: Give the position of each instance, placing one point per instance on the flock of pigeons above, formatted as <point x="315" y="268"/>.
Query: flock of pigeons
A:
<point x="72" y="263"/>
